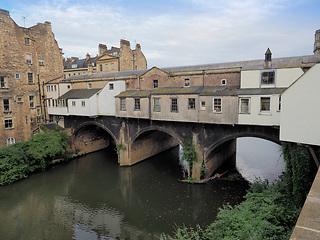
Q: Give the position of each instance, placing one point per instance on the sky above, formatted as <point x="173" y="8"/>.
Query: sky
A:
<point x="177" y="32"/>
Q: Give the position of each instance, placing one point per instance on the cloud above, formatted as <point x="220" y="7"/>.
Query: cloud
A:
<point x="170" y="32"/>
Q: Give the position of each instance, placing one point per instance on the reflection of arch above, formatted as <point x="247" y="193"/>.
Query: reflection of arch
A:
<point x="239" y="135"/>
<point x="82" y="125"/>
<point x="155" y="128"/>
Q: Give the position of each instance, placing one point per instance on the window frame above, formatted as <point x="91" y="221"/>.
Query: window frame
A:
<point x="191" y="103"/>
<point x="32" y="101"/>
<point x="223" y="82"/>
<point x="122" y="104"/>
<point x="217" y="106"/>
<point x="3" y="82"/>
<point x="8" y="123"/>
<point x="264" y="80"/>
<point x="10" y="141"/>
<point x="202" y="105"/>
<point x="261" y="106"/>
<point x="156" y="104"/>
<point x="30" y="78"/>
<point x="174" y="108"/>
<point x="111" y="86"/>
<point x="28" y="58"/>
<point x="155" y="83"/>
<point x="241" y="100"/>
<point x="83" y="103"/>
<point x="137" y="104"/>
<point x="6" y="104"/>
<point x="187" y="82"/>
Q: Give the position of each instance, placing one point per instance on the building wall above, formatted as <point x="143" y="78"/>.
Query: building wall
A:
<point x="300" y="115"/>
<point x="106" y="97"/>
<point x="130" y="112"/>
<point x="286" y="76"/>
<point x="42" y="46"/>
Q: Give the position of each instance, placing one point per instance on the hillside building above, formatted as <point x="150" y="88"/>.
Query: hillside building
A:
<point x="30" y="57"/>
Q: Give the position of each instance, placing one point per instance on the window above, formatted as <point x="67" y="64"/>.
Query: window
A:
<point x="73" y="103"/>
<point x="41" y="62"/>
<point x="31" y="100"/>
<point x="122" y="104"/>
<point x="6" y="105"/>
<point x="11" y="141"/>
<point x="265" y="104"/>
<point x="68" y="86"/>
<point x="111" y="86"/>
<point x="174" y="105"/>
<point x="191" y="103"/>
<point x="267" y="77"/>
<point x="39" y="112"/>
<point x="83" y="103"/>
<point x="73" y="66"/>
<point x="17" y="76"/>
<point x="137" y="104"/>
<point x="217" y="105"/>
<point x="27" y="41"/>
<point x="28" y="58"/>
<point x="107" y="68"/>
<point x="8" y="123"/>
<point x="223" y="81"/>
<point x="244" y="105"/>
<point x="279" y="103"/>
<point x="127" y="85"/>
<point x="3" y="82"/>
<point x="89" y="86"/>
<point x="19" y="100"/>
<point x="187" y="82"/>
<point x="30" y="78"/>
<point x="156" y="105"/>
<point x="155" y="83"/>
<point x="112" y="66"/>
<point x="100" y="67"/>
<point x="49" y="103"/>
<point x="203" y="105"/>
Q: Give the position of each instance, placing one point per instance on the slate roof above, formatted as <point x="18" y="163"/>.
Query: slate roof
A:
<point x="81" y="63"/>
<point x="80" y="93"/>
<point x="106" y="75"/>
<point x="288" y="62"/>
<point x="202" y="91"/>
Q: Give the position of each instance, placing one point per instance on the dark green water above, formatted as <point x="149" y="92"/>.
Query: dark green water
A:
<point x="93" y="198"/>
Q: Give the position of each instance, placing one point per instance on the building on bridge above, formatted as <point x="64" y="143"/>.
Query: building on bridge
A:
<point x="108" y="60"/>
<point x="30" y="57"/>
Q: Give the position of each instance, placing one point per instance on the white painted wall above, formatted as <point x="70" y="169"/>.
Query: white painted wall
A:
<point x="58" y="110"/>
<point x="256" y="117"/>
<point x="250" y="79"/>
<point x="300" y="116"/>
<point x="285" y="77"/>
<point x="90" y="108"/>
<point x="106" y="97"/>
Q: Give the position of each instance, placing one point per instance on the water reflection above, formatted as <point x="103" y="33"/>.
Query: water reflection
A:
<point x="92" y="198"/>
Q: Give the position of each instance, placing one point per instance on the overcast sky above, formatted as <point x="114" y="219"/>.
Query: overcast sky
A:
<point x="177" y="32"/>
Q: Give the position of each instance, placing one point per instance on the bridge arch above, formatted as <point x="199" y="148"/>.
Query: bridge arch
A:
<point x="225" y="149"/>
<point x="150" y="141"/>
<point x="92" y="136"/>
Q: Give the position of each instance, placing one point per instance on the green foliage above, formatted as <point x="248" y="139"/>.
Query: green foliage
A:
<point x="21" y="159"/>
<point x="268" y="212"/>
<point x="120" y="147"/>
<point x="299" y="174"/>
<point x="189" y="152"/>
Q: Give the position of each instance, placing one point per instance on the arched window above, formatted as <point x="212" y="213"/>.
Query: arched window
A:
<point x="10" y="141"/>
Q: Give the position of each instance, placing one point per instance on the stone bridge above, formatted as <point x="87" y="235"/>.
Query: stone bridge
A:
<point x="139" y="139"/>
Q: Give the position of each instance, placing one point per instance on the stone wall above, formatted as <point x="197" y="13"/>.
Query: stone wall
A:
<point x="45" y="65"/>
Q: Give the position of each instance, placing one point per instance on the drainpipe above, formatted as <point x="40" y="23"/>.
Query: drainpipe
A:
<point x="203" y="73"/>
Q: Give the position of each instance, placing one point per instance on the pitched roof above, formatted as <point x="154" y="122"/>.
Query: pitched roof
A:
<point x="80" y="93"/>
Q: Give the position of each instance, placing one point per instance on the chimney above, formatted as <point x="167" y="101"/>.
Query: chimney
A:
<point x="102" y="49"/>
<point x="267" y="58"/>
<point x="317" y="42"/>
<point x="87" y="56"/>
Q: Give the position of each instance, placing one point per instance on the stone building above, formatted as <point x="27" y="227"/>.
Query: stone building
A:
<point x="30" y="57"/>
<point x="108" y="60"/>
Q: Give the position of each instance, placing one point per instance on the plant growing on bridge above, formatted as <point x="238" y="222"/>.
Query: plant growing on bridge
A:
<point x="120" y="147"/>
<point x="189" y="154"/>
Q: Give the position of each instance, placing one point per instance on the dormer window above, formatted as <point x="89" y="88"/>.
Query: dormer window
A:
<point x="267" y="77"/>
<point x="74" y="65"/>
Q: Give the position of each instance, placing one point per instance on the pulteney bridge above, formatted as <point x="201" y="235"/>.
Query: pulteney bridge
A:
<point x="139" y="139"/>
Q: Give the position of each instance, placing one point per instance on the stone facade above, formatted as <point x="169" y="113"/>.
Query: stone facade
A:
<point x="29" y="58"/>
<point x="108" y="60"/>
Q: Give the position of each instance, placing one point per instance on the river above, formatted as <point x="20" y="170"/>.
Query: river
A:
<point x="91" y="197"/>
